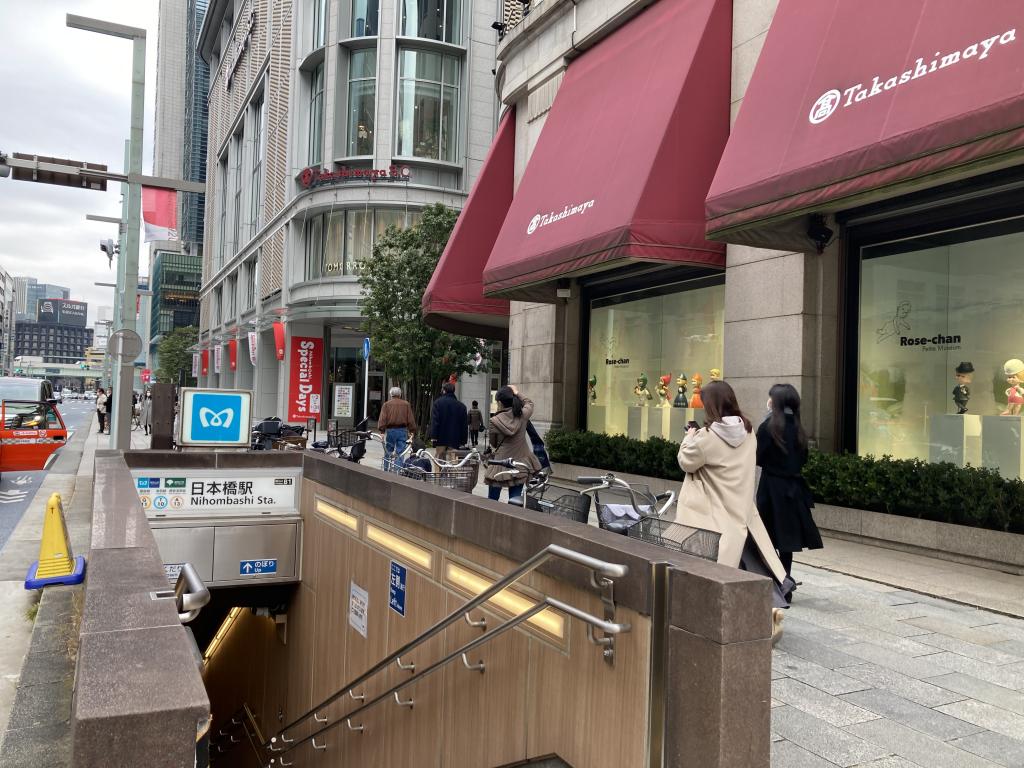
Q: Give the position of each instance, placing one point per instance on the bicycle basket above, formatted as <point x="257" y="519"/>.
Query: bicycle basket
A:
<point x="683" y="538"/>
<point x="344" y="438"/>
<point x="460" y="479"/>
<point x="560" y="501"/>
<point x="617" y="510"/>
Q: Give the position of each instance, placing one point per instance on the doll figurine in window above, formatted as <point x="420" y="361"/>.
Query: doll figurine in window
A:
<point x="643" y="394"/>
<point x="592" y="388"/>
<point x="716" y="374"/>
<point x="680" y="401"/>
<point x="695" y="399"/>
<point x="662" y="389"/>
<point x="964" y="373"/>
<point x="1014" y="372"/>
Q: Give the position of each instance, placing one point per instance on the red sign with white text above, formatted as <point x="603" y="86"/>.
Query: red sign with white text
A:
<point x="305" y="377"/>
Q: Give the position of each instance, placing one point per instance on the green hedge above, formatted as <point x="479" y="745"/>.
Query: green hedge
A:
<point x="909" y="487"/>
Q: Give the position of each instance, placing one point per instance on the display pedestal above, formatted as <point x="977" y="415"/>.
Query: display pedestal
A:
<point x="597" y="418"/>
<point x="955" y="439"/>
<point x="680" y="418"/>
<point x="1001" y="445"/>
<point x="636" y="425"/>
<point x="657" y="422"/>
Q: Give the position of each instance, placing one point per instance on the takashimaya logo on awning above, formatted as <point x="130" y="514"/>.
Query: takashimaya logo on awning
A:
<point x="830" y="101"/>
<point x="542" y="220"/>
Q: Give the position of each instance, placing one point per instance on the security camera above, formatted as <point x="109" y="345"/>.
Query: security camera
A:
<point x="819" y="233"/>
<point x="109" y="248"/>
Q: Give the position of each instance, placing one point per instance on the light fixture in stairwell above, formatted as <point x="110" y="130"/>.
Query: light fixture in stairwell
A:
<point x="337" y="515"/>
<point x="403" y="548"/>
<point x="222" y="632"/>
<point x="508" y="600"/>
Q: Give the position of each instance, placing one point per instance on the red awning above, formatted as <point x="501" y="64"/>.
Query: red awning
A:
<point x="627" y="153"/>
<point x="454" y="300"/>
<point x="856" y="102"/>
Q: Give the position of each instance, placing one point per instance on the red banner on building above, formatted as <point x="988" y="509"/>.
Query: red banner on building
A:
<point x="279" y="339"/>
<point x="306" y="378"/>
<point x="146" y="376"/>
<point x="205" y="357"/>
<point x="233" y="354"/>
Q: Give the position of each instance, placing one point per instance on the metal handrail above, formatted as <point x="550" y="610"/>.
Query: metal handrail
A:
<point x="599" y="567"/>
<point x="243" y="717"/>
<point x="190" y="594"/>
<point x="608" y="627"/>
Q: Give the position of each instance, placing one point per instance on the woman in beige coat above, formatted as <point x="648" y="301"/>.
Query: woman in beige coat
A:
<point x="718" y="491"/>
<point x="508" y="438"/>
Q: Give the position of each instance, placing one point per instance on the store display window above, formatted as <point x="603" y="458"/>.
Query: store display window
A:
<point x="650" y="352"/>
<point x="940" y="375"/>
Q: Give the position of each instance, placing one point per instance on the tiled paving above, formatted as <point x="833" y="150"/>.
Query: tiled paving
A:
<point x="872" y="676"/>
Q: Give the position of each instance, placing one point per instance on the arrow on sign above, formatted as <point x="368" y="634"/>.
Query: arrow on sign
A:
<point x="247" y="567"/>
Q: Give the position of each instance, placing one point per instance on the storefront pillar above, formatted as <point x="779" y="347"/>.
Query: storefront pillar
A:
<point x="781" y="325"/>
<point x="266" y="374"/>
<point x="536" y="357"/>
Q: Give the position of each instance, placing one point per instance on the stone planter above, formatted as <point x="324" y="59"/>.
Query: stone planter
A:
<point x="960" y="543"/>
<point x="957" y="543"/>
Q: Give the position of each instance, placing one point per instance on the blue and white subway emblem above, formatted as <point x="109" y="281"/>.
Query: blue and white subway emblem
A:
<point x="216" y="417"/>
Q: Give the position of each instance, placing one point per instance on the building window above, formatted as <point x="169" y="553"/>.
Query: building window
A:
<point x="362" y="90"/>
<point x="428" y="106"/>
<point x="316" y="115"/>
<point x="365" y="15"/>
<point x="222" y="227"/>
<point x="935" y="314"/>
<point x="338" y="242"/>
<point x="314" y="246"/>
<point x="238" y="193"/>
<point x="319" y="23"/>
<point x="217" y="294"/>
<point x="232" y="303"/>
<point x="250" y="284"/>
<point x="256" y="178"/>
<point x="666" y="336"/>
<point x="433" y="19"/>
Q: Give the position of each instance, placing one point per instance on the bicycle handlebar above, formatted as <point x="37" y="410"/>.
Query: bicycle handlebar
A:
<point x="589" y="480"/>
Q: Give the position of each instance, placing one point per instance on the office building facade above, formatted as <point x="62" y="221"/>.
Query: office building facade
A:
<point x="330" y="120"/>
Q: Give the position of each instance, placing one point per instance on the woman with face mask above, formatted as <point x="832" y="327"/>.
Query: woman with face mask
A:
<point x="146" y="417"/>
<point x="783" y="498"/>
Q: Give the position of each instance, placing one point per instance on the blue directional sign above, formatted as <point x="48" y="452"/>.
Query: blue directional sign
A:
<point x="215" y="417"/>
<point x="366" y="348"/>
<point x="396" y="589"/>
<point x="257" y="567"/>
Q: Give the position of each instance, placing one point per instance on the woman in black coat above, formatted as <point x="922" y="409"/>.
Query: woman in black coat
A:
<point x="783" y="498"/>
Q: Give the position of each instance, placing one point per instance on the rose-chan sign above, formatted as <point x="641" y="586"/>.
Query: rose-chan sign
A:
<point x="318" y="177"/>
<point x="305" y="376"/>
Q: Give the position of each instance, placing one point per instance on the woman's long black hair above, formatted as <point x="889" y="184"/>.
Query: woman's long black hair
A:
<point x="509" y="399"/>
<point x="783" y="397"/>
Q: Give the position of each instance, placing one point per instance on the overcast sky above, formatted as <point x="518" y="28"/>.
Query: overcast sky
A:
<point x="66" y="93"/>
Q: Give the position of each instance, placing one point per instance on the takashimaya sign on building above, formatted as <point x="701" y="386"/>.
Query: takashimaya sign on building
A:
<point x="318" y="177"/>
<point x="830" y="101"/>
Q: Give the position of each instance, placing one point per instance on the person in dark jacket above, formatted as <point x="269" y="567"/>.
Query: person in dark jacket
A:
<point x="476" y="423"/>
<point x="783" y="498"/>
<point x="449" y="422"/>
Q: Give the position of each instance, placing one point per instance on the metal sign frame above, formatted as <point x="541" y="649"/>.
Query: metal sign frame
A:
<point x="185" y="418"/>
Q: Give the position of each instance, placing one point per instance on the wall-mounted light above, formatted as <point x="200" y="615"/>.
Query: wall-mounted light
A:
<point x="508" y="600"/>
<point x="499" y="27"/>
<point x="401" y="547"/>
<point x="819" y="233"/>
<point x="218" y="638"/>
<point x="340" y="516"/>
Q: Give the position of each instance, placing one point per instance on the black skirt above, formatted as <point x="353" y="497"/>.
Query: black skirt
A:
<point x="785" y="505"/>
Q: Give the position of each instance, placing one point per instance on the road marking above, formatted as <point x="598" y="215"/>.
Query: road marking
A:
<point x="23" y="480"/>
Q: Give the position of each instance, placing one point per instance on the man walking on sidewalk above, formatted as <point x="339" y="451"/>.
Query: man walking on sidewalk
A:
<point x="101" y="408"/>
<point x="449" y="422"/>
<point x="396" y="423"/>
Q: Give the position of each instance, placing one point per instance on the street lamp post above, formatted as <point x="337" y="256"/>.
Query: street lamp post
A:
<point x="128" y="266"/>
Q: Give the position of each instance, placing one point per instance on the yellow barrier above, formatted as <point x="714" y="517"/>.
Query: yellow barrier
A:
<point x="57" y="564"/>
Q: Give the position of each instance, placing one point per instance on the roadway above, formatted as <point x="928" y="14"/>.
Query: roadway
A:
<point x="18" y="489"/>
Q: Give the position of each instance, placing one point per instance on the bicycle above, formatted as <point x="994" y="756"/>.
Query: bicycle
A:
<point x="136" y="421"/>
<point x="349" y="445"/>
<point x="461" y="475"/>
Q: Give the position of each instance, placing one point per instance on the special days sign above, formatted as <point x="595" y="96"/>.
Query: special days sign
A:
<point x="305" y="389"/>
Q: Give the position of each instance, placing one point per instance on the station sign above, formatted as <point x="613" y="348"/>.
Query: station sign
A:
<point x="211" y="492"/>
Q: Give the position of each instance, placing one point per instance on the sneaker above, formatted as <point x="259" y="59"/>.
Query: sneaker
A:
<point x="777" y="617"/>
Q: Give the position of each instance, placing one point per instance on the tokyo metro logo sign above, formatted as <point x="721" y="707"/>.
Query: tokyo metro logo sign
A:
<point x="829" y="102"/>
<point x="210" y="418"/>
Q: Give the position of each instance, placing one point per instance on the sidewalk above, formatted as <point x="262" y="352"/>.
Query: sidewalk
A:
<point x="71" y="477"/>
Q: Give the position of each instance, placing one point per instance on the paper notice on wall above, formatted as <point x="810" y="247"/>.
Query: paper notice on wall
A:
<point x="358" y="605"/>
